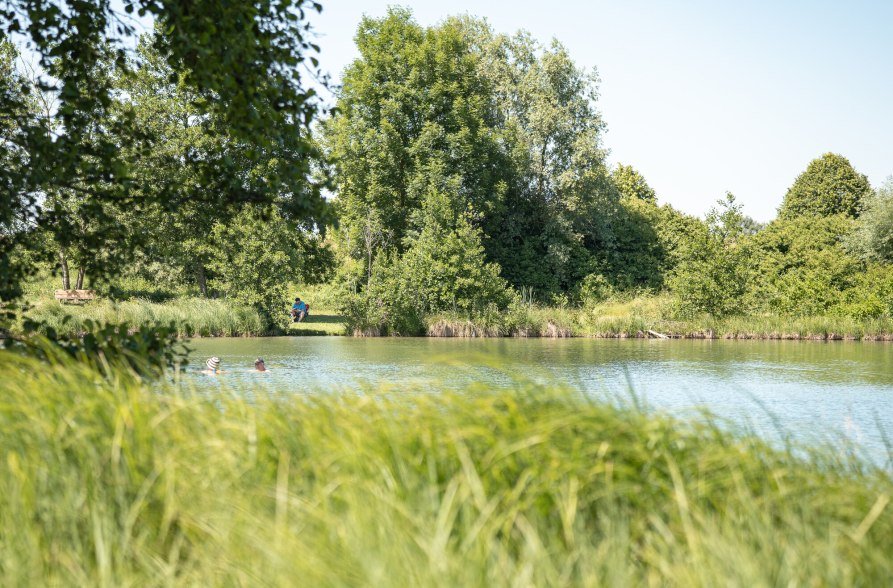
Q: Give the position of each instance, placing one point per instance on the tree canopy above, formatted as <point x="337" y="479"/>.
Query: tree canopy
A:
<point x="830" y="185"/>
<point x="245" y="64"/>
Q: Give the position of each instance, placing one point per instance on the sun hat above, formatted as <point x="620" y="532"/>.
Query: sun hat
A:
<point x="213" y="364"/>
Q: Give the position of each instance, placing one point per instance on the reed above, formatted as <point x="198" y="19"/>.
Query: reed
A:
<point x="109" y="481"/>
<point x="192" y="317"/>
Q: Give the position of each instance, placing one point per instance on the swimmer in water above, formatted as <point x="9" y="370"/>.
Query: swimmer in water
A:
<point x="259" y="365"/>
<point x="212" y="366"/>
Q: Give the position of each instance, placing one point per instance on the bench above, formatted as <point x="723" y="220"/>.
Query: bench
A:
<point x="77" y="296"/>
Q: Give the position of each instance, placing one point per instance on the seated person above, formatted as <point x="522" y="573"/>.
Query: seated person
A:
<point x="294" y="309"/>
<point x="298" y="310"/>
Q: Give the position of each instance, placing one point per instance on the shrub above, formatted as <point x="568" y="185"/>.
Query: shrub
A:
<point x="254" y="258"/>
<point x="872" y="237"/>
<point x="714" y="272"/>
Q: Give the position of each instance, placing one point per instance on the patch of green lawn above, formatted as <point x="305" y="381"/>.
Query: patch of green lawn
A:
<point x="322" y="323"/>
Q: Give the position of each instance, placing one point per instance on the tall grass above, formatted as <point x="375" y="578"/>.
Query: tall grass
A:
<point x="112" y="482"/>
<point x="634" y="317"/>
<point x="191" y="316"/>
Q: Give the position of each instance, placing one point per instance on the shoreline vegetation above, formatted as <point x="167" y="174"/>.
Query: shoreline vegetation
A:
<point x="539" y="486"/>
<point x="641" y="317"/>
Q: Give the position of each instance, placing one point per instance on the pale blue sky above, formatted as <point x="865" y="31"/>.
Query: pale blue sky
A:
<point x="705" y="97"/>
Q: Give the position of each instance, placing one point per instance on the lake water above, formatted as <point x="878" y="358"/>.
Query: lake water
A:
<point x="810" y="391"/>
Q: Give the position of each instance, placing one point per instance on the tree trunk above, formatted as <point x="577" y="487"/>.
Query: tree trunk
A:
<point x="66" y="278"/>
<point x="80" y="284"/>
<point x="201" y="279"/>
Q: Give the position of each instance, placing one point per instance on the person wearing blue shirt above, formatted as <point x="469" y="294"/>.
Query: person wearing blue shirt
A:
<point x="298" y="310"/>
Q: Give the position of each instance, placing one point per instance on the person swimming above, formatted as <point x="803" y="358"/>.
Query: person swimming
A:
<point x="212" y="366"/>
<point x="259" y="365"/>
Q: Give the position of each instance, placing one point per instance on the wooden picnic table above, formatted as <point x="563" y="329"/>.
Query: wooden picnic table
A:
<point x="76" y="296"/>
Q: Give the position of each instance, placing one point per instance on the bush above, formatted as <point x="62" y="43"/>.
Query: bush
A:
<point x="872" y="237"/>
<point x="871" y="296"/>
<point x="800" y="265"/>
<point x="443" y="270"/>
<point x="147" y="352"/>
<point x="713" y="274"/>
<point x="254" y="258"/>
<point x="386" y="306"/>
<point x="594" y="288"/>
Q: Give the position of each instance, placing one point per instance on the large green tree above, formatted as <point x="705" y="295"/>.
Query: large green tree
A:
<point x="830" y="185"/>
<point x="188" y="144"/>
<point x="556" y="222"/>
<point x="412" y="101"/>
<point x="511" y="123"/>
<point x="245" y="60"/>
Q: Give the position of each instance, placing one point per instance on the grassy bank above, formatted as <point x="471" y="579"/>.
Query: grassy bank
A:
<point x="114" y="483"/>
<point x="615" y="319"/>
<point x="635" y="317"/>
<point x="192" y="316"/>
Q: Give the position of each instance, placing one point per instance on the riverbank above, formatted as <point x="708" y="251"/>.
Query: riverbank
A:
<point x="641" y="317"/>
<point x="650" y="317"/>
<point x="113" y="483"/>
<point x="191" y="317"/>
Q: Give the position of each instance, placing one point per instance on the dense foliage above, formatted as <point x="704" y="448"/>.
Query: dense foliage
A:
<point x="189" y="182"/>
<point x="69" y="168"/>
<point x="504" y="134"/>
<point x="829" y="186"/>
<point x="502" y="131"/>
<point x="468" y="174"/>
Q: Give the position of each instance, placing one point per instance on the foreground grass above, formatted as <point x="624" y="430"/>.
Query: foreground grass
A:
<point x="635" y="317"/>
<point x="119" y="483"/>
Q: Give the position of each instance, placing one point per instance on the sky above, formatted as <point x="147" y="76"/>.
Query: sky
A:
<point x="704" y="97"/>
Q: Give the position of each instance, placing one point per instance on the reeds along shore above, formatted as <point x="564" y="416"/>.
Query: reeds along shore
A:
<point x="109" y="481"/>
<point x="191" y="317"/>
<point x="636" y="317"/>
<point x="628" y="319"/>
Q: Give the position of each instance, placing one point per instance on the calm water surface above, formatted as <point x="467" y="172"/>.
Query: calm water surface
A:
<point x="811" y="391"/>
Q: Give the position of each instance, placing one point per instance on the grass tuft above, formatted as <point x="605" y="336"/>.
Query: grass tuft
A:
<point x="114" y="482"/>
<point x="192" y="317"/>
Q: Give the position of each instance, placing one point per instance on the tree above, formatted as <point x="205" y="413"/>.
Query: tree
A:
<point x="18" y="107"/>
<point x="631" y="184"/>
<point x="714" y="275"/>
<point x="555" y="225"/>
<point x="444" y="266"/>
<point x="244" y="59"/>
<point x="829" y="186"/>
<point x="413" y="99"/>
<point x="254" y="258"/>
<point x="872" y="238"/>
<point x="801" y="266"/>
<point x="198" y="167"/>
